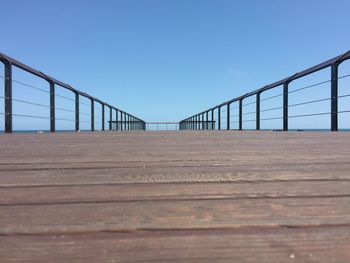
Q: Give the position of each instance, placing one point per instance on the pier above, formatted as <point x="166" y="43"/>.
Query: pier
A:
<point x="188" y="196"/>
<point x="204" y="189"/>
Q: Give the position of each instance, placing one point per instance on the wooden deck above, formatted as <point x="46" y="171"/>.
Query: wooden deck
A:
<point x="188" y="196"/>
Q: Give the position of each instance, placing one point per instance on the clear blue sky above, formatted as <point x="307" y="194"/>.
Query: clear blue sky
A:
<point x="165" y="60"/>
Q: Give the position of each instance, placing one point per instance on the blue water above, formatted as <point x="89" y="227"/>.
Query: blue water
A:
<point x="297" y="130"/>
<point x="44" y="131"/>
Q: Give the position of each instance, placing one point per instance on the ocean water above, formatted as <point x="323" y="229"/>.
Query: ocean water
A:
<point x="43" y="131"/>
<point x="292" y="130"/>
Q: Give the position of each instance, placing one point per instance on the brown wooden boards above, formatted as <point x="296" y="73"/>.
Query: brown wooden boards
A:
<point x="188" y="196"/>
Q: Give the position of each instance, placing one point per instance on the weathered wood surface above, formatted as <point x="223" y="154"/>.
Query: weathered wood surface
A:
<point x="189" y="196"/>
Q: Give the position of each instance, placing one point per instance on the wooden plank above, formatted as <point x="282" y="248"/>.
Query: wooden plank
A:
<point x="178" y="191"/>
<point x="270" y="245"/>
<point x="175" y="196"/>
<point x="184" y="214"/>
<point x="175" y="174"/>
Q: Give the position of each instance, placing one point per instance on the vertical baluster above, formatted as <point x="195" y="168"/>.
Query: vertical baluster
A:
<point x="258" y="111"/>
<point x="240" y="114"/>
<point x="92" y="115"/>
<point x="8" y="96"/>
<point x="77" y="113"/>
<point x="334" y="97"/>
<point x="228" y="116"/>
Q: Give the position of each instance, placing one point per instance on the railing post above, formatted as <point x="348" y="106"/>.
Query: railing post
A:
<point x="77" y="111"/>
<point x="126" y="121"/>
<point x="212" y="120"/>
<point x="203" y="122"/>
<point x="122" y="121"/>
<point x="110" y="118"/>
<point x="285" y="106"/>
<point x="240" y="115"/>
<point x="52" y="106"/>
<point x="103" y="117"/>
<point x="8" y="96"/>
<point x="92" y="115"/>
<point x="219" y="118"/>
<point x="228" y="116"/>
<point x="334" y="97"/>
<point x="116" y="120"/>
<point x="206" y="119"/>
<point x="123" y="117"/>
<point x="258" y="111"/>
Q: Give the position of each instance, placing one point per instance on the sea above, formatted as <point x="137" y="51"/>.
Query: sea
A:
<point x="276" y="130"/>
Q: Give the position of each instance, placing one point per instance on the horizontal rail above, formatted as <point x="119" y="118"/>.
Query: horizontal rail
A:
<point x="161" y="122"/>
<point x="128" y="120"/>
<point x="225" y="106"/>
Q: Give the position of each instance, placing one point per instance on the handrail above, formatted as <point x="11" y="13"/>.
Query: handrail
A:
<point x="130" y="122"/>
<point x="334" y="63"/>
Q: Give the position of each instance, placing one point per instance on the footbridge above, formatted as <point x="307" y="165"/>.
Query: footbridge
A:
<point x="221" y="185"/>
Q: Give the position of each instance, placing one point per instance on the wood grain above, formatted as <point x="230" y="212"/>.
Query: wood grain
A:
<point x="266" y="245"/>
<point x="188" y="196"/>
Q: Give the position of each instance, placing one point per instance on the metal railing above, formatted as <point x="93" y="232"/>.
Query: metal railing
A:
<point x="200" y="121"/>
<point x="152" y="126"/>
<point x="127" y="120"/>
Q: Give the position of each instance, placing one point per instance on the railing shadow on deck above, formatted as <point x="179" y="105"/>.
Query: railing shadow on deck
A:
<point x="214" y="115"/>
<point x="127" y="120"/>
